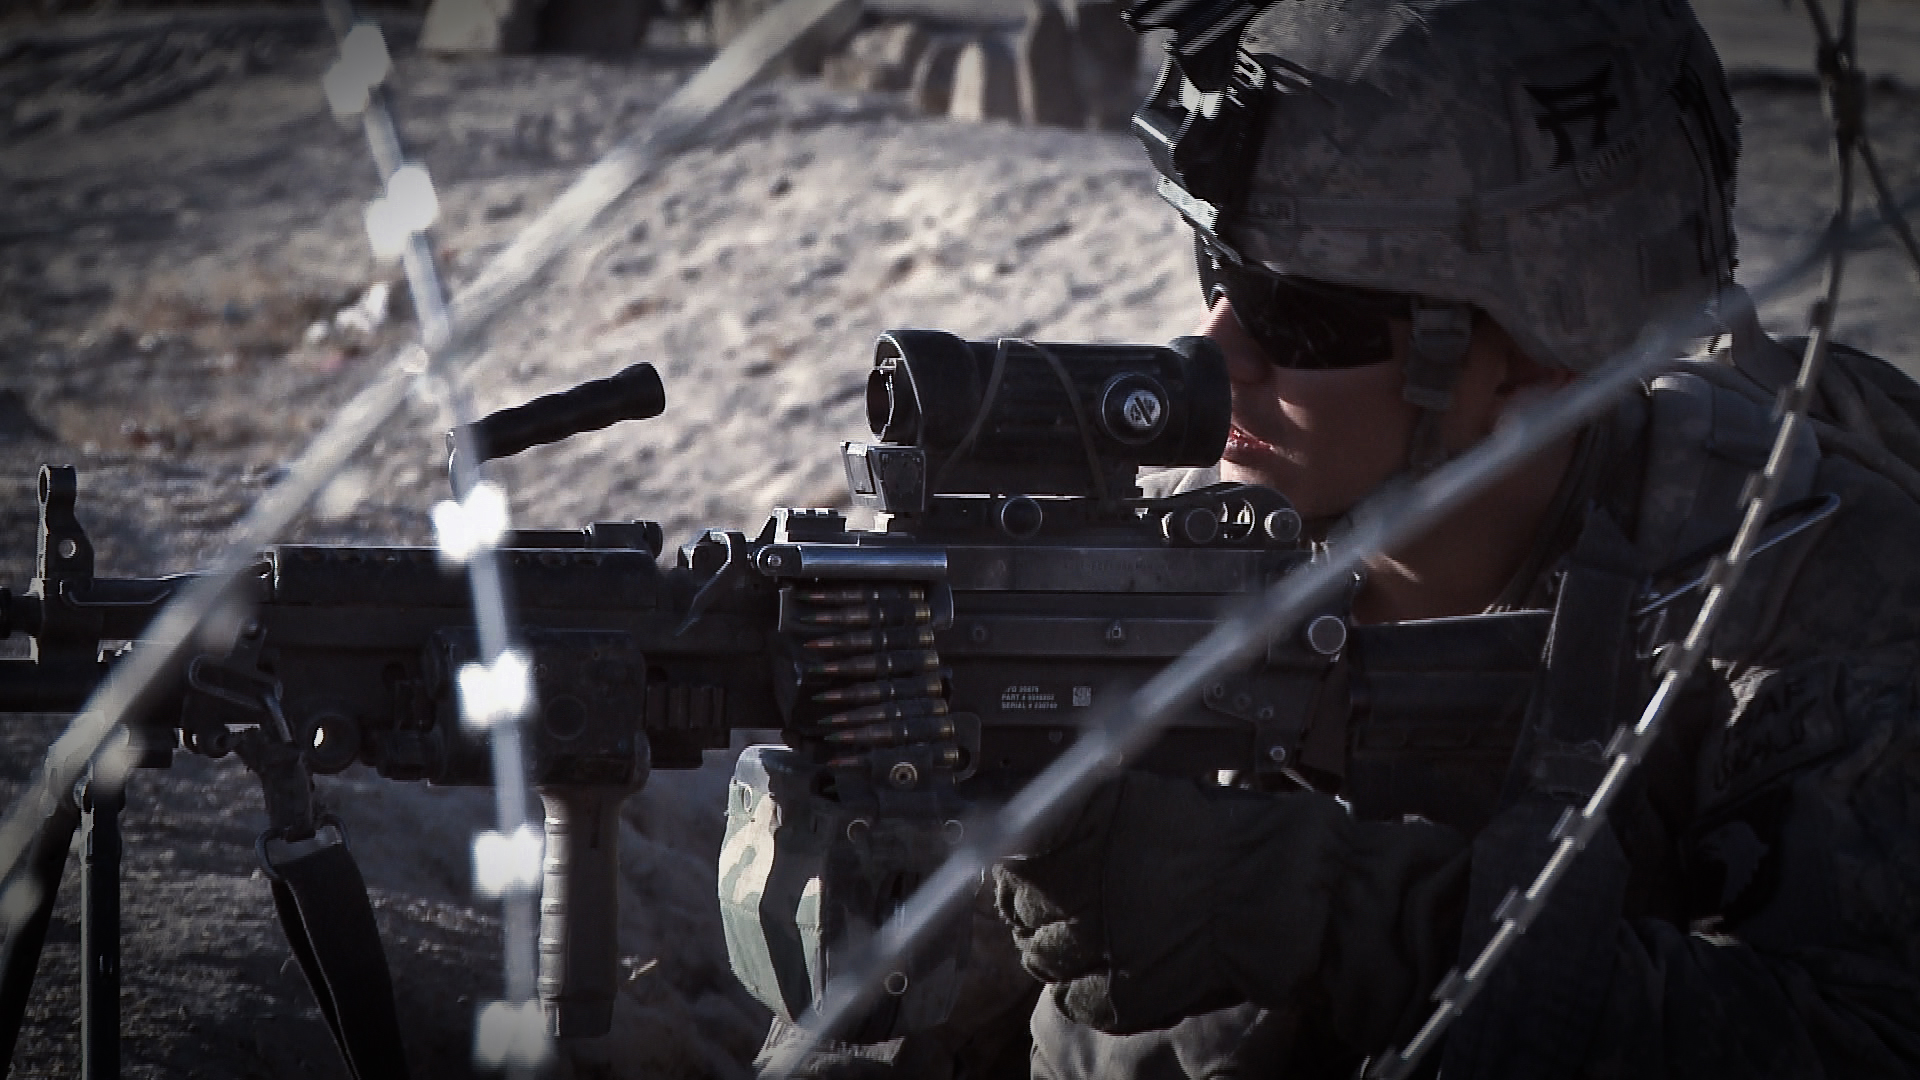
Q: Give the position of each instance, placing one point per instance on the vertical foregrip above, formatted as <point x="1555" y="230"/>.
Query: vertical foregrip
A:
<point x="579" y="909"/>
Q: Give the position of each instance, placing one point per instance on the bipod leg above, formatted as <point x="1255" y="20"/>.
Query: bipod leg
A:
<point x="100" y="931"/>
<point x="26" y="908"/>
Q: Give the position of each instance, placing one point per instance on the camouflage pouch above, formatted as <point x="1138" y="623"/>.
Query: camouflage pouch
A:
<point x="805" y="883"/>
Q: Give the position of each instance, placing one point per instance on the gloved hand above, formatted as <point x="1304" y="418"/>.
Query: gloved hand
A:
<point x="1164" y="898"/>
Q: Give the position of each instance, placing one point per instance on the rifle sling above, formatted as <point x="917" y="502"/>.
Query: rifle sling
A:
<point x="323" y="907"/>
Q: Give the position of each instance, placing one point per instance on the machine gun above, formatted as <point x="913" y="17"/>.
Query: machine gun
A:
<point x="1014" y="577"/>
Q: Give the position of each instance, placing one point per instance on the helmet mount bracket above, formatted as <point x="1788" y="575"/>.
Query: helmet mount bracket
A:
<point x="1205" y="143"/>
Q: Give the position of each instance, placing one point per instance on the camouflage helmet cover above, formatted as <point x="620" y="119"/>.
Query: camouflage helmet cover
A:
<point x="1564" y="165"/>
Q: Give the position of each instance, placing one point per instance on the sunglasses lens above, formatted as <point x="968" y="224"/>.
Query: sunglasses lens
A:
<point x="1301" y="323"/>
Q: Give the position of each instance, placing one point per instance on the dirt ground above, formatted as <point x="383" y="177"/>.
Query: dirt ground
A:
<point x="180" y="233"/>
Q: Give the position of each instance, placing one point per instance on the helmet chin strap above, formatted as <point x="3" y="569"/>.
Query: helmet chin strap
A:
<point x="1441" y="337"/>
<point x="1442" y="333"/>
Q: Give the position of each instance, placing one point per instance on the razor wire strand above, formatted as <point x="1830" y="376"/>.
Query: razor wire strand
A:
<point x="1384" y="522"/>
<point x="1387" y="520"/>
<point x="494" y="691"/>
<point x="516" y="268"/>
<point x="1838" y="60"/>
<point x="1577" y="827"/>
<point x="1846" y="70"/>
<point x="127" y="689"/>
<point x="1890" y="210"/>
<point x="677" y="124"/>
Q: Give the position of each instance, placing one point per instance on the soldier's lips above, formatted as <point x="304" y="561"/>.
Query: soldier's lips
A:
<point x="1246" y="448"/>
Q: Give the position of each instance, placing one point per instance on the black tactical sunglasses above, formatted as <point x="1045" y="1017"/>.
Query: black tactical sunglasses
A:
<point x="1302" y="323"/>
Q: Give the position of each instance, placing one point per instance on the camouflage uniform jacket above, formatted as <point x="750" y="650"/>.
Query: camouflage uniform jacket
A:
<point x="1755" y="909"/>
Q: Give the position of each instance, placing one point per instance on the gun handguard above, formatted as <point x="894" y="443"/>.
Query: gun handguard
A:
<point x="632" y="394"/>
<point x="1048" y="587"/>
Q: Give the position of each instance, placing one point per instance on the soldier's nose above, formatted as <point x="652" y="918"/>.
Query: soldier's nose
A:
<point x="1246" y="361"/>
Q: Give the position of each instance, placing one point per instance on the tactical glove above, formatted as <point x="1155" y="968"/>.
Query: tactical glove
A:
<point x="1166" y="898"/>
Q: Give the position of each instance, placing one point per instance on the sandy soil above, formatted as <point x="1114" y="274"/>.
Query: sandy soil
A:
<point x="178" y="211"/>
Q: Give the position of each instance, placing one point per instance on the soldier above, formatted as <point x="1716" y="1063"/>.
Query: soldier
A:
<point x="1411" y="218"/>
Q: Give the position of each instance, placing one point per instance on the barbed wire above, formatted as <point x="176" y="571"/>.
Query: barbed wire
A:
<point x="1518" y="910"/>
<point x="1386" y="522"/>
<point x="495" y="692"/>
<point x="89" y="740"/>
<point x="1854" y="88"/>
<point x="495" y="695"/>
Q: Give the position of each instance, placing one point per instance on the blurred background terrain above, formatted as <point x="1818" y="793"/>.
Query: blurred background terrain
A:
<point x="186" y="296"/>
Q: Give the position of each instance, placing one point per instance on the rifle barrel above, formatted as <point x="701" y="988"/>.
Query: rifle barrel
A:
<point x="34" y="686"/>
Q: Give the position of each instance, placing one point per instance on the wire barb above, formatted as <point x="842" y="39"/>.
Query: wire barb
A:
<point x="683" y="120"/>
<point x="497" y="692"/>
<point x="1383" y="523"/>
<point x="1117" y="729"/>
<point x="1575" y="829"/>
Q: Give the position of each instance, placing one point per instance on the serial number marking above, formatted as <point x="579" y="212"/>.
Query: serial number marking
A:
<point x="1027" y="698"/>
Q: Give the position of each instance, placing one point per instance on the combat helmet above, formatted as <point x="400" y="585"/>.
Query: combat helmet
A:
<point x="1564" y="166"/>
